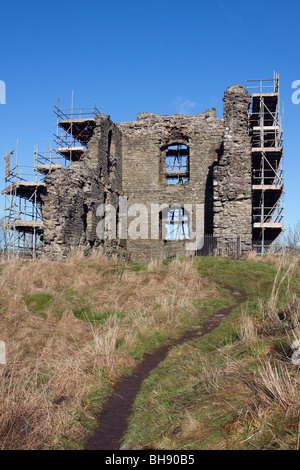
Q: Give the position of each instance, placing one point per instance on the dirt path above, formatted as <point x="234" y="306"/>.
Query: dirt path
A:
<point x="113" y="420"/>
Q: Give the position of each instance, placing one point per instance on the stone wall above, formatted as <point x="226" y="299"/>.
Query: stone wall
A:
<point x="128" y="159"/>
<point x="73" y="194"/>
<point x="143" y="148"/>
<point x="232" y="174"/>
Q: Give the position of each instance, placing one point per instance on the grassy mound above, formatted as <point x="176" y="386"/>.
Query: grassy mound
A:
<point x="239" y="386"/>
<point x="72" y="328"/>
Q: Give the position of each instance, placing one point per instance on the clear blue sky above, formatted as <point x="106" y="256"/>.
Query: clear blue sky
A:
<point x="166" y="57"/>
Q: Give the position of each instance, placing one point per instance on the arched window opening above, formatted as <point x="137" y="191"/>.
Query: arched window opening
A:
<point x="176" y="164"/>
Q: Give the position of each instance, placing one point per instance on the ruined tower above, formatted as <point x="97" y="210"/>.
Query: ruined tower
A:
<point x="148" y="188"/>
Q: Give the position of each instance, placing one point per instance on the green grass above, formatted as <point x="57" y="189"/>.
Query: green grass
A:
<point x="89" y="315"/>
<point x="70" y="295"/>
<point x="185" y="403"/>
<point x="136" y="267"/>
<point x="177" y="389"/>
<point x="149" y="342"/>
<point x="37" y="303"/>
<point x="256" y="279"/>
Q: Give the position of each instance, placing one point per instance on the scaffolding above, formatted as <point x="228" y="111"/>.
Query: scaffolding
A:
<point x="266" y="132"/>
<point x="23" y="223"/>
<point x="74" y="129"/>
<point x="46" y="161"/>
<point x="177" y="164"/>
<point x="22" y="218"/>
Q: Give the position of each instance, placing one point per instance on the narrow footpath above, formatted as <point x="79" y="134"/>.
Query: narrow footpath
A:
<point x="113" y="420"/>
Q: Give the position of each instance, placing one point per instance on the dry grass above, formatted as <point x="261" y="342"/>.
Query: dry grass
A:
<point x="275" y="384"/>
<point x="275" y="259"/>
<point x="251" y="387"/>
<point x="55" y="360"/>
<point x="248" y="329"/>
<point x="238" y="394"/>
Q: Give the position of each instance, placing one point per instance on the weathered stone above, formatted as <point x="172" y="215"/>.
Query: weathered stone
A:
<point x="233" y="172"/>
<point x="73" y="194"/>
<point x="129" y="159"/>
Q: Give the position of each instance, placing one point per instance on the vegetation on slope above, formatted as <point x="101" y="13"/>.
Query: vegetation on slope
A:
<point x="238" y="387"/>
<point x="72" y="328"/>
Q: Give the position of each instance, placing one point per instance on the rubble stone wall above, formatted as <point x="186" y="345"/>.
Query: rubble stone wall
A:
<point x="128" y="159"/>
<point x="73" y="194"/>
<point x="144" y="182"/>
<point x="232" y="175"/>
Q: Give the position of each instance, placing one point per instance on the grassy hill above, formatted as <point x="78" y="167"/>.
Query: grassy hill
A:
<point x="72" y="328"/>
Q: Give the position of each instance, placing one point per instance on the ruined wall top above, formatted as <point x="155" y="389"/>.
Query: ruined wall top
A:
<point x="150" y="122"/>
<point x="237" y="100"/>
<point x="208" y="113"/>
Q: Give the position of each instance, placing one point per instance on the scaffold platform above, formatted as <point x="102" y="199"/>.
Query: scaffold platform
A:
<point x="266" y="132"/>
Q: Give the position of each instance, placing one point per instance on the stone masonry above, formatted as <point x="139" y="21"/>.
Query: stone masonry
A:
<point x="129" y="160"/>
<point x="73" y="194"/>
<point x="232" y="174"/>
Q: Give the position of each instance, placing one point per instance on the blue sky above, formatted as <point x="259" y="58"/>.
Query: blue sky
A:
<point x="167" y="56"/>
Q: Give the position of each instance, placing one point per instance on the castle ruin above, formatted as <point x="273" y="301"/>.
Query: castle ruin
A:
<point x="227" y="173"/>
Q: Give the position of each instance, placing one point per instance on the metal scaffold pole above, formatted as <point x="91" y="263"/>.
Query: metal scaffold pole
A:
<point x="24" y="184"/>
<point x="22" y="216"/>
<point x="266" y="132"/>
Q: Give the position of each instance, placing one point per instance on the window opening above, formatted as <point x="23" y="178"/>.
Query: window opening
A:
<point x="177" y="164"/>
